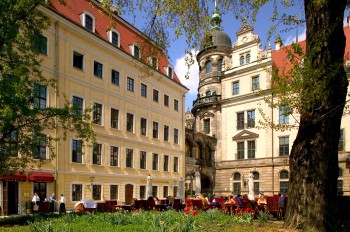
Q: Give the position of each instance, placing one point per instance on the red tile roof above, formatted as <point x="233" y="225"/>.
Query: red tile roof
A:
<point x="282" y="63"/>
<point x="128" y="34"/>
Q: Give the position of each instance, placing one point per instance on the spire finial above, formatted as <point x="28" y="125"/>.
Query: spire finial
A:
<point x="215" y="18"/>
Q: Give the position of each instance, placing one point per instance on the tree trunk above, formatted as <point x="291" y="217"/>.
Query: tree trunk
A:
<point x="314" y="155"/>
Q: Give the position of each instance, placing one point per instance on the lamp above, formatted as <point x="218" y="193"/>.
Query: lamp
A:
<point x="91" y="180"/>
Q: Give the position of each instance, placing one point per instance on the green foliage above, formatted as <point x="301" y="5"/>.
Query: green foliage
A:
<point x="24" y="123"/>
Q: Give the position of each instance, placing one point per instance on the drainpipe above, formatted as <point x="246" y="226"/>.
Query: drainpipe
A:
<point x="56" y="63"/>
<point x="272" y="149"/>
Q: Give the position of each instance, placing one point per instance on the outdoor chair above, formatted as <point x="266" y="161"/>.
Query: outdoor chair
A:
<point x="272" y="205"/>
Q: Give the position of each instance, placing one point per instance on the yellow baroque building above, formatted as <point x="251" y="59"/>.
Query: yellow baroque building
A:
<point x="137" y="104"/>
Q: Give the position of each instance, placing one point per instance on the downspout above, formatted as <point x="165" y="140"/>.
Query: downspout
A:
<point x="56" y="63"/>
<point x="272" y="148"/>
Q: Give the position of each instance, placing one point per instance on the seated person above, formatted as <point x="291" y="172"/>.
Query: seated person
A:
<point x="262" y="202"/>
<point x="239" y="201"/>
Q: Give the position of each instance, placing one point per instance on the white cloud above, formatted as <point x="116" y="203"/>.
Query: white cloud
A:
<point x="181" y="70"/>
<point x="192" y="82"/>
<point x="290" y="39"/>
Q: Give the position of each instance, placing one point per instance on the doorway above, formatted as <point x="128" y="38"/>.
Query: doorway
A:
<point x="40" y="188"/>
<point x="10" y="197"/>
<point x="129" y="193"/>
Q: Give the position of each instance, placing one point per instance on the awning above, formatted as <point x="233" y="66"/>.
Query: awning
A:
<point x="40" y="177"/>
<point x="17" y="176"/>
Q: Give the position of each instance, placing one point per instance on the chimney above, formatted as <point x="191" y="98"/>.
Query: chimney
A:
<point x="278" y="43"/>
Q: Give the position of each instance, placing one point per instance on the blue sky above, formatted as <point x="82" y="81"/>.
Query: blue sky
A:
<point x="230" y="25"/>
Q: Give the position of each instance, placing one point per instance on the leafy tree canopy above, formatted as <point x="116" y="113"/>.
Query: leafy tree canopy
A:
<point x="26" y="122"/>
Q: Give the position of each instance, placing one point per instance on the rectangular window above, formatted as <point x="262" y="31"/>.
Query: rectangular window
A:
<point x="77" y="151"/>
<point x="114" y="118"/>
<point x="98" y="69"/>
<point x="113" y="192"/>
<point x="165" y="191"/>
<point x="77" y="106"/>
<point x="77" y="192"/>
<point x="283" y="115"/>
<point x="97" y="113"/>
<point x="143" y="159"/>
<point x="166" y="163"/>
<point x="240" y="121"/>
<point x="155" y="95"/>
<point x="130" y="84"/>
<point x="40" y="96"/>
<point x="176" y="136"/>
<point x="235" y="88"/>
<point x="143" y="126"/>
<point x="175" y="191"/>
<point x="11" y="143"/>
<point x="97" y="153"/>
<point x="240" y="150"/>
<point x="89" y="22"/>
<point x="155" y="161"/>
<point x="129" y="158"/>
<point x="341" y="141"/>
<point x="143" y="90"/>
<point x="136" y="52"/>
<point x="170" y="72"/>
<point x="251" y="149"/>
<point x="78" y="60"/>
<point x="284" y="187"/>
<point x="176" y="164"/>
<point x="142" y="192"/>
<point x="114" y="161"/>
<point x="166" y="133"/>
<point x="255" y="83"/>
<point x="40" y="43"/>
<point x="130" y="123"/>
<point x="256" y="188"/>
<point x="154" y="190"/>
<point x="166" y="100"/>
<point x="176" y="105"/>
<point x="251" y="118"/>
<point x="40" y="149"/>
<point x="284" y="146"/>
<point x="96" y="192"/>
<point x="115" y="77"/>
<point x="155" y="130"/>
<point x="206" y="126"/>
<point x="236" y="188"/>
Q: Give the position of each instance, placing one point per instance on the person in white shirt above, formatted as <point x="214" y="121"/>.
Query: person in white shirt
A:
<point x="62" y="208"/>
<point x="36" y="201"/>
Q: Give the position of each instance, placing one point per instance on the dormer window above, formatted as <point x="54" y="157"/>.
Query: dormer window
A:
<point x="88" y="21"/>
<point x="169" y="71"/>
<point x="153" y="62"/>
<point x="241" y="60"/>
<point x="208" y="66"/>
<point x="113" y="37"/>
<point x="247" y="58"/>
<point x="136" y="52"/>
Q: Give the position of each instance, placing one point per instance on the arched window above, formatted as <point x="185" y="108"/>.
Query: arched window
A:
<point x="340" y="182"/>
<point x="219" y="65"/>
<point x="208" y="66"/>
<point x="137" y="54"/>
<point x="115" y="39"/>
<point x="247" y="58"/>
<point x="284" y="176"/>
<point x="237" y="183"/>
<point x="256" y="178"/>
<point x="208" y="93"/>
<point x="241" y="60"/>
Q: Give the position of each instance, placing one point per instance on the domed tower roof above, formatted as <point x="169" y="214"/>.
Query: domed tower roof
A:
<point x="216" y="37"/>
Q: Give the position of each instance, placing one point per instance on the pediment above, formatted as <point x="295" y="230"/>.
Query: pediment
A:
<point x="244" y="135"/>
<point x="245" y="28"/>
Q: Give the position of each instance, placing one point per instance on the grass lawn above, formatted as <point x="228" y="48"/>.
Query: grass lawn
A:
<point x="212" y="220"/>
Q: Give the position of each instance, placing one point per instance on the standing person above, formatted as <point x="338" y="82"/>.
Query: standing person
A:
<point x="52" y="200"/>
<point x="36" y="201"/>
<point x="62" y="208"/>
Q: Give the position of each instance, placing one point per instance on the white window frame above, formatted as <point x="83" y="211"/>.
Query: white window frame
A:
<point x="150" y="61"/>
<point x="133" y="122"/>
<point x="166" y="69"/>
<point x="47" y="150"/>
<point x="110" y="117"/>
<point x="118" y="157"/>
<point x="110" y="184"/>
<point x="102" y="113"/>
<point x="82" y="190"/>
<point x="82" y="19"/>
<point x="132" y="49"/>
<point x="71" y="151"/>
<point x="92" y="153"/>
<point x="109" y="34"/>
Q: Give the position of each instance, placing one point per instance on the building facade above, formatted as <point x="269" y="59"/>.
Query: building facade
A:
<point x="137" y="101"/>
<point x="229" y="110"/>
